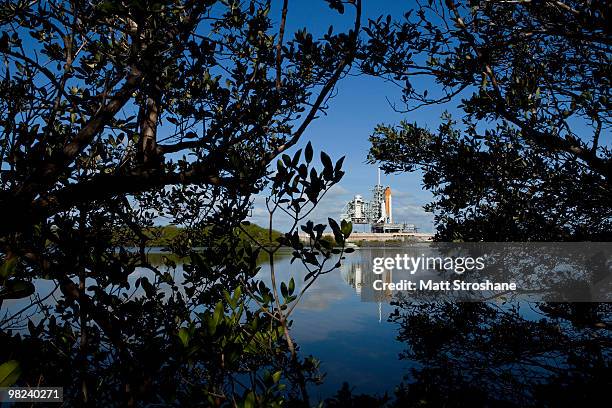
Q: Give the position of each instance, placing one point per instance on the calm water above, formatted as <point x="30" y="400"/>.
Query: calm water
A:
<point x="341" y="321"/>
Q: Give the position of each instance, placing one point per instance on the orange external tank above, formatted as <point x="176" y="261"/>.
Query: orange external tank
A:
<point x="388" y="204"/>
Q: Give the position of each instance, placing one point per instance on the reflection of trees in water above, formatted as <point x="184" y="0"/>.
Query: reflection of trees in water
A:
<point x="546" y="271"/>
<point x="498" y="354"/>
<point x="158" y="345"/>
<point x="545" y="354"/>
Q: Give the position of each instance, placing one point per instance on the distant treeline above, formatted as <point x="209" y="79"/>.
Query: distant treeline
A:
<point x="164" y="236"/>
<point x="172" y="235"/>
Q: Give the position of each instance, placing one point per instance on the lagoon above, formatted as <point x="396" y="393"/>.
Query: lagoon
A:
<point x="354" y="330"/>
<point x="343" y="322"/>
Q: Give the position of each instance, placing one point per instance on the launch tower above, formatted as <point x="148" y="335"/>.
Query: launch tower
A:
<point x="378" y="212"/>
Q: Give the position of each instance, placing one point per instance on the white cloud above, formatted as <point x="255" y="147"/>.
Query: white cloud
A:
<point x="338" y="191"/>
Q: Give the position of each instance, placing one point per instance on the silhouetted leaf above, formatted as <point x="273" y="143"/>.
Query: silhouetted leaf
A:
<point x="9" y="373"/>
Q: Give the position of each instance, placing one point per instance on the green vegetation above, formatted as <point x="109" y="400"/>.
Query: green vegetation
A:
<point x="387" y="243"/>
<point x="115" y="113"/>
<point x="165" y="236"/>
<point x="262" y="235"/>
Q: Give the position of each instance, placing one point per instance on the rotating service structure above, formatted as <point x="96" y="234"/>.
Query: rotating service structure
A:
<point x="378" y="212"/>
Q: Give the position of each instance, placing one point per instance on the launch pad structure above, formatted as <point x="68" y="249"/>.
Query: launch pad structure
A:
<point x="378" y="212"/>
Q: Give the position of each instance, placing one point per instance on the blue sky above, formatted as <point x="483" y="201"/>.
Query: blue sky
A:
<point x="359" y="105"/>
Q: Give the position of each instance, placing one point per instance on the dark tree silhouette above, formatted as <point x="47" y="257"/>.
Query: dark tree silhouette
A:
<point x="484" y="354"/>
<point x="529" y="159"/>
<point x="120" y="115"/>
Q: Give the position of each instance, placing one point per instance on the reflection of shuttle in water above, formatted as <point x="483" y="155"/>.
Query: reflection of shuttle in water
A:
<point x="358" y="279"/>
<point x="361" y="278"/>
